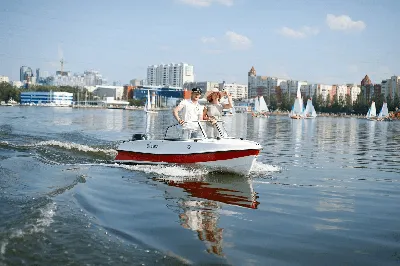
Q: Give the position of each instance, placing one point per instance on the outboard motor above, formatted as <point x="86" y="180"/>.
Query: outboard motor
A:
<point x="139" y="137"/>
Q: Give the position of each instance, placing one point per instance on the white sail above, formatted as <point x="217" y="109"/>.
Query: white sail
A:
<point x="147" y="106"/>
<point x="384" y="111"/>
<point x="263" y="105"/>
<point x="148" y="100"/>
<point x="298" y="106"/>
<point x="256" y="105"/>
<point x="298" y="93"/>
<point x="310" y="110"/>
<point x="372" y="111"/>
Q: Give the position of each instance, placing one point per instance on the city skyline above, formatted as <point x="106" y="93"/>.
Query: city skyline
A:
<point x="332" y="43"/>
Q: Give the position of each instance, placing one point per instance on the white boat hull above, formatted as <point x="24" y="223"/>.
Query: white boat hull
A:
<point x="228" y="155"/>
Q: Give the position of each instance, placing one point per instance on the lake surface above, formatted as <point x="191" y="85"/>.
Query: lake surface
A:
<point x="323" y="192"/>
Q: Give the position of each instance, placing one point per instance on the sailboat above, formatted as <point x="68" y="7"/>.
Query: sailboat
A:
<point x="309" y="111"/>
<point x="297" y="108"/>
<point x="147" y="106"/>
<point x="384" y="113"/>
<point x="371" y="115"/>
<point x="260" y="107"/>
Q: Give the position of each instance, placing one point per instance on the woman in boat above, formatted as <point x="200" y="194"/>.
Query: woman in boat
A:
<point x="213" y="110"/>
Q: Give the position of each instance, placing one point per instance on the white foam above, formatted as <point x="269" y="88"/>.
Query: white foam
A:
<point x="3" y="247"/>
<point x="45" y="220"/>
<point x="165" y="170"/>
<point x="79" y="147"/>
<point x="259" y="167"/>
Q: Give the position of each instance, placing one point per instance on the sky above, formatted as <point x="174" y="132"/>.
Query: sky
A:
<point x="330" y="41"/>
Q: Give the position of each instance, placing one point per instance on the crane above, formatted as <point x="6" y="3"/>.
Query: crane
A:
<point x="62" y="66"/>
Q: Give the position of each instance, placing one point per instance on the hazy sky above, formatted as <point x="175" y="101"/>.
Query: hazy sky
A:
<point x="324" y="41"/>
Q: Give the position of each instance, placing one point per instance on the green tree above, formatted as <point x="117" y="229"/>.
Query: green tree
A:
<point x="136" y="102"/>
<point x="273" y="103"/>
<point x="396" y="101"/>
<point x="7" y="91"/>
<point x="319" y="106"/>
<point x="348" y="105"/>
<point x="285" y="104"/>
<point x="335" y="108"/>
<point x="389" y="102"/>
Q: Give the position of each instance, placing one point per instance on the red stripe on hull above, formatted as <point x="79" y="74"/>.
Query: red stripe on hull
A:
<point x="184" y="158"/>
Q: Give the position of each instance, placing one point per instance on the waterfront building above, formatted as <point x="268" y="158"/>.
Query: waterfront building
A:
<point x="47" y="98"/>
<point x="354" y="90"/>
<point x="66" y="78"/>
<point x="368" y="89"/>
<point x="135" y="82"/>
<point x="159" y="96"/>
<point x="203" y="85"/>
<point x="41" y="75"/>
<point x="264" y="85"/>
<point x="4" y="79"/>
<point x="170" y="74"/>
<point x="385" y="87"/>
<point x="292" y="87"/>
<point x="394" y="86"/>
<point x="340" y="91"/>
<point x="238" y="91"/>
<point x="324" y="90"/>
<point x="103" y="91"/>
<point x="309" y="90"/>
<point x="391" y="86"/>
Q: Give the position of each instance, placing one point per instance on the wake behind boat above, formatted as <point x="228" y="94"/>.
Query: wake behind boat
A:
<point x="207" y="146"/>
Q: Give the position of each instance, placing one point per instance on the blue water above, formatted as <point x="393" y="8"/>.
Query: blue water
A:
<point x="323" y="192"/>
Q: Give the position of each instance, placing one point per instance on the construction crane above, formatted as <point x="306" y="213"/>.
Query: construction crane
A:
<point x="62" y="66"/>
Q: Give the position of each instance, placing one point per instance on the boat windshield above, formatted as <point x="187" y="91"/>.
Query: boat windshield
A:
<point x="196" y="130"/>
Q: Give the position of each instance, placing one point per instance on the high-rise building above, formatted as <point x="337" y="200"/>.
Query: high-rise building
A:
<point x="174" y="75"/>
<point x="25" y="73"/>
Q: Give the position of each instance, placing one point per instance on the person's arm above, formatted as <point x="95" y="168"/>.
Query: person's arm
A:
<point x="175" y="112"/>
<point x="229" y="104"/>
<point x="205" y="116"/>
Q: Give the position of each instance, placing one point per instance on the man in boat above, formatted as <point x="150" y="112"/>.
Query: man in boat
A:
<point x="192" y="111"/>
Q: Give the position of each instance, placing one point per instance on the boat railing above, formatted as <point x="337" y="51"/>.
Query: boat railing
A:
<point x="201" y="127"/>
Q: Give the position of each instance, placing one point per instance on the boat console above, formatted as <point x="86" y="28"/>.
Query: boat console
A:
<point x="139" y="137"/>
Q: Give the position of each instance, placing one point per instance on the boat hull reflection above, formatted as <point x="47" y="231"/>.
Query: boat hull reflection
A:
<point x="199" y="205"/>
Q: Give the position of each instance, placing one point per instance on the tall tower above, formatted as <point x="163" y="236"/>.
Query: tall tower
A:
<point x="252" y="72"/>
<point x="251" y="77"/>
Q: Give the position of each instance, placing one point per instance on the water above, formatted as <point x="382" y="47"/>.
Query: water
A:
<point x="323" y="192"/>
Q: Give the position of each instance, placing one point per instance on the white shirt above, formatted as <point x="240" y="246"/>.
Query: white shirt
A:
<point x="191" y="112"/>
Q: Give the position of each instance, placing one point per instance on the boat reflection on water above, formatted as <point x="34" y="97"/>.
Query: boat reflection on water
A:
<point x="202" y="201"/>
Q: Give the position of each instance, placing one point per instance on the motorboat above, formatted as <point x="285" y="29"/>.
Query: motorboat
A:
<point x="196" y="143"/>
